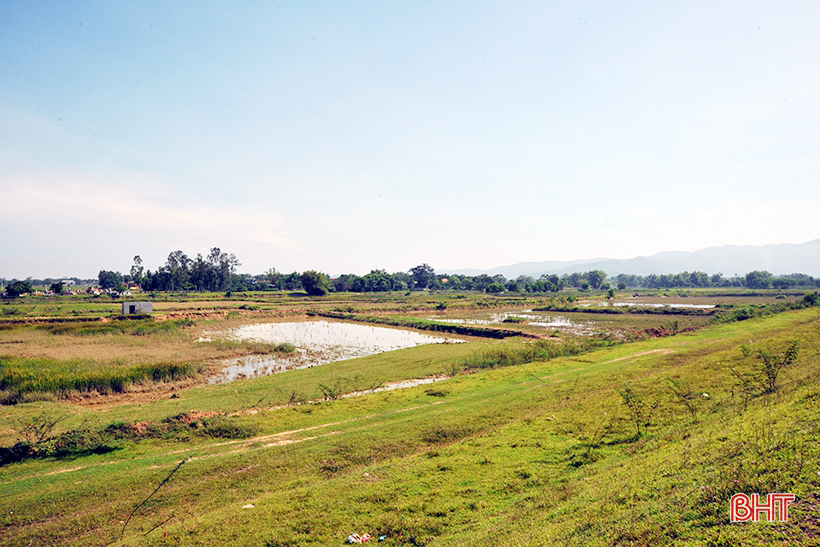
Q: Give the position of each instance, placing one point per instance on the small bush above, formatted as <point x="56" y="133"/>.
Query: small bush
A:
<point x="36" y="429"/>
<point x="584" y="457"/>
<point x="513" y="319"/>
<point x="76" y="443"/>
<point x="639" y="409"/>
<point x="764" y="376"/>
<point x="227" y="428"/>
<point x="120" y="431"/>
<point x="445" y="434"/>
<point x="17" y="453"/>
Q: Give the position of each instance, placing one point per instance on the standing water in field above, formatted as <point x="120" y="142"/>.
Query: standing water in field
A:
<point x="655" y="305"/>
<point x="533" y="319"/>
<point x="317" y="343"/>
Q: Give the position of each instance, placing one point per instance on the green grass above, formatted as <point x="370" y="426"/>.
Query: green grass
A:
<point x="22" y="378"/>
<point x="541" y="350"/>
<point x="542" y="453"/>
<point x="133" y="327"/>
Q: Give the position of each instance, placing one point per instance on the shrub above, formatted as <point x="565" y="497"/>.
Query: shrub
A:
<point x="639" y="410"/>
<point x="316" y="283"/>
<point x="76" y="443"/>
<point x="513" y="319"/>
<point x="36" y="429"/>
<point x="227" y="428"/>
<point x="444" y="434"/>
<point x="17" y="453"/>
<point x="763" y="379"/>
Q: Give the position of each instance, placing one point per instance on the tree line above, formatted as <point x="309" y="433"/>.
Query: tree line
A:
<point x="758" y="279"/>
<point x="217" y="272"/>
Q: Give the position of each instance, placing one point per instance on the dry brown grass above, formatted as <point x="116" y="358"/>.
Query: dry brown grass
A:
<point x="121" y="349"/>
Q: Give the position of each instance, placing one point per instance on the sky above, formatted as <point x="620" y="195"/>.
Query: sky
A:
<point x="351" y="136"/>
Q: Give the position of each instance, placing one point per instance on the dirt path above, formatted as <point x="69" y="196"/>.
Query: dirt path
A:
<point x="659" y="351"/>
<point x="243" y="445"/>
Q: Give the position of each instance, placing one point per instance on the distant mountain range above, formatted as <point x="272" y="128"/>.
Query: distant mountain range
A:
<point x="784" y="258"/>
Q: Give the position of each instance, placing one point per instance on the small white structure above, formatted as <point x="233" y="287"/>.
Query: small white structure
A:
<point x="137" y="308"/>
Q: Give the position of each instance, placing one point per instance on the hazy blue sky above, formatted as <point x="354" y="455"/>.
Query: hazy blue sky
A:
<point x="347" y="136"/>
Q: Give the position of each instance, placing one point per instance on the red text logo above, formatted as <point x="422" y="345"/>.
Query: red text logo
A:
<point x="744" y="508"/>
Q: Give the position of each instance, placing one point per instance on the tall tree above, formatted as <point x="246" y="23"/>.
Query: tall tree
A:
<point x="224" y="266"/>
<point x="136" y="270"/>
<point x="422" y="275"/>
<point x="596" y="278"/>
<point x="177" y="267"/>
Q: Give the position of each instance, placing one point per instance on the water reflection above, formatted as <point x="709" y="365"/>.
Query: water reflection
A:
<point x="317" y="343"/>
<point x="535" y="319"/>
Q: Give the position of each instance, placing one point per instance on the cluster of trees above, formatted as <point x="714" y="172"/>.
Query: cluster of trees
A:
<point x="215" y="272"/>
<point x="752" y="280"/>
<point x="16" y="287"/>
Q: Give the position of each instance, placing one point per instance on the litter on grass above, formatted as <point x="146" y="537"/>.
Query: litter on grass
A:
<point x="356" y="538"/>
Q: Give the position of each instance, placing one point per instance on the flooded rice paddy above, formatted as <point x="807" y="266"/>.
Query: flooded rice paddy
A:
<point x="675" y="305"/>
<point x="511" y="319"/>
<point x="317" y="343"/>
<point x="587" y="320"/>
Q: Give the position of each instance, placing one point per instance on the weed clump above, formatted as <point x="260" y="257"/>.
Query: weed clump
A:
<point x="445" y="434"/>
<point x="639" y="409"/>
<point x="77" y="443"/>
<point x="227" y="428"/>
<point x="36" y="440"/>
<point x="514" y="319"/>
<point x="266" y="348"/>
<point x="540" y="350"/>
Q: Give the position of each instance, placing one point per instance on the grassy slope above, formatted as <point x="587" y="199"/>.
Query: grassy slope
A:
<point x="538" y="454"/>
